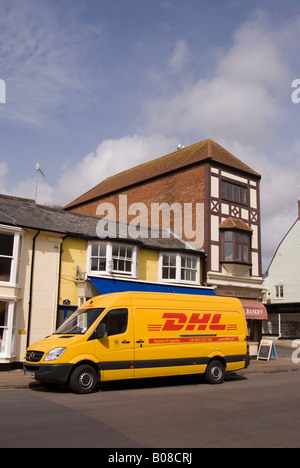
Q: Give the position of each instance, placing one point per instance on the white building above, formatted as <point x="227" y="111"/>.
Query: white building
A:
<point x="282" y="285"/>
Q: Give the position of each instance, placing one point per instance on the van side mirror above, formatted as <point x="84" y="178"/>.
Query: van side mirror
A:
<point x="101" y="330"/>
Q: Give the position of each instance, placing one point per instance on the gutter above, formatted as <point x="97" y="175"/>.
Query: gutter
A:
<point x="31" y="288"/>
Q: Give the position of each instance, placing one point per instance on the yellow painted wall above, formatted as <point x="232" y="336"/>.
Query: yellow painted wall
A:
<point x="74" y="253"/>
<point x="148" y="265"/>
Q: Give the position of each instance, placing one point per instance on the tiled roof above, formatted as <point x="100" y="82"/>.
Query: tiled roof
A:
<point x="180" y="159"/>
<point x="234" y="223"/>
<point x="25" y="213"/>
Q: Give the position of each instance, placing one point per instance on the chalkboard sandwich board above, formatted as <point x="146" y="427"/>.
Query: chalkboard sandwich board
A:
<point x="267" y="350"/>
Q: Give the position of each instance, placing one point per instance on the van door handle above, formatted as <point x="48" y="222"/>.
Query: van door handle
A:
<point x="140" y="341"/>
<point x="125" y="342"/>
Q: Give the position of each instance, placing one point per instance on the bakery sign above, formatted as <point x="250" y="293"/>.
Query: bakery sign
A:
<point x="254" y="310"/>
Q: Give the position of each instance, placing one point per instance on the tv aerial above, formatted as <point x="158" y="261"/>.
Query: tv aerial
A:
<point x="38" y="172"/>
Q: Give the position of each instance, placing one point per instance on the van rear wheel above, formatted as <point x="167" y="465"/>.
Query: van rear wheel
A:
<point x="83" y="380"/>
<point x="215" y="372"/>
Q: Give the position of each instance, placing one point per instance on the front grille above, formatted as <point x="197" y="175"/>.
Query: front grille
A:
<point x="34" y="356"/>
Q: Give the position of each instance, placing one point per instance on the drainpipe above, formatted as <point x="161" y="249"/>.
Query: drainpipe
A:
<point x="31" y="288"/>
<point x="59" y="277"/>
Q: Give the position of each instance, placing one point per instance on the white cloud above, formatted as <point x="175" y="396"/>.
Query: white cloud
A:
<point x="111" y="157"/>
<point x="41" y="61"/>
<point x="180" y="56"/>
<point x="257" y="55"/>
<point x="242" y="99"/>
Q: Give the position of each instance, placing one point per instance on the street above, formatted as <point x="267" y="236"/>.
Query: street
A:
<point x="257" y="410"/>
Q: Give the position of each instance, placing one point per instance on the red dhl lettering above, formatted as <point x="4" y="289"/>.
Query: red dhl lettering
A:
<point x="199" y="322"/>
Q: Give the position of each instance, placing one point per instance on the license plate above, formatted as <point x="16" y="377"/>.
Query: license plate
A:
<point x="30" y="374"/>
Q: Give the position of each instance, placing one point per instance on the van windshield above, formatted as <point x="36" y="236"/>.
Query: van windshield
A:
<point x="79" y="322"/>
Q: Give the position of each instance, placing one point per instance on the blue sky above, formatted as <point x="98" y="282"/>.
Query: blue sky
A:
<point x="96" y="86"/>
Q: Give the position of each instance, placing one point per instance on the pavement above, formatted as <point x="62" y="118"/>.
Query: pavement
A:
<point x="15" y="379"/>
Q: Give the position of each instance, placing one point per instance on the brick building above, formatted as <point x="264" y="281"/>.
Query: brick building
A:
<point x="206" y="196"/>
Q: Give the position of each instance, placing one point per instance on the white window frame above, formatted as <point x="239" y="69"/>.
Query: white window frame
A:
<point x="16" y="258"/>
<point x="8" y="344"/>
<point x="109" y="271"/>
<point x="279" y="291"/>
<point x="179" y="257"/>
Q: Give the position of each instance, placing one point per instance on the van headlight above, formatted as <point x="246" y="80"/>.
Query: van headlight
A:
<point x="54" y="354"/>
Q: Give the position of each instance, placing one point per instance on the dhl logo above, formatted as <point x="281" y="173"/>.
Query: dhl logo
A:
<point x="197" y="322"/>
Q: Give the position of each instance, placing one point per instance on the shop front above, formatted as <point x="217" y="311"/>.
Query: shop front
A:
<point x="256" y="314"/>
<point x="283" y="321"/>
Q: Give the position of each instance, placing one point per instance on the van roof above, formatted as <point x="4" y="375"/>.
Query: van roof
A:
<point x="106" y="299"/>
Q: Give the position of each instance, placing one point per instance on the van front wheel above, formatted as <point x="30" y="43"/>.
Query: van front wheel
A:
<point x="83" y="379"/>
<point x="215" y="372"/>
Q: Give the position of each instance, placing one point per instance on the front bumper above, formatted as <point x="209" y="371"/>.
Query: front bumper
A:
<point x="49" y="373"/>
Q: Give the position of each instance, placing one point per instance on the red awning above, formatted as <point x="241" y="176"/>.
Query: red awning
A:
<point x="254" y="310"/>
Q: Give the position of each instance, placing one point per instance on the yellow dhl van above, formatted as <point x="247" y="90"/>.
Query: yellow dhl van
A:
<point x="136" y="334"/>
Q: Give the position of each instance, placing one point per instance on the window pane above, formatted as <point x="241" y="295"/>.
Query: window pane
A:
<point x="94" y="250"/>
<point x="236" y="193"/>
<point x="228" y="236"/>
<point x="102" y="264"/>
<point x="165" y="273"/>
<point x="3" y="307"/>
<point x="165" y="260"/>
<point x="94" y="264"/>
<point x="245" y="253"/>
<point x="230" y="192"/>
<point x="129" y="252"/>
<point x="243" y="195"/>
<point x="6" y="244"/>
<point x="102" y="250"/>
<point x="115" y="250"/>
<point x="5" y="264"/>
<point x="224" y="189"/>
<point x="172" y="274"/>
<point x="228" y="251"/>
<point x="238" y="255"/>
